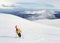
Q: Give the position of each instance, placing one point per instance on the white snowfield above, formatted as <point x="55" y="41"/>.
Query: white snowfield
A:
<point x="53" y="22"/>
<point x="31" y="32"/>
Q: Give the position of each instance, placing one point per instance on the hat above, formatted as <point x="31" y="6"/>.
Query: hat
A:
<point x="16" y="27"/>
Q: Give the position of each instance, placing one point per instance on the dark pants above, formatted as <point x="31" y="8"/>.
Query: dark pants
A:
<point x="19" y="34"/>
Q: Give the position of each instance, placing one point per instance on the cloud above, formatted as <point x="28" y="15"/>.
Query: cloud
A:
<point x="35" y="3"/>
<point x="11" y="5"/>
<point x="55" y="3"/>
<point x="34" y="12"/>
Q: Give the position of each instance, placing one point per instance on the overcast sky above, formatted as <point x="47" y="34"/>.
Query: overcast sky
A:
<point x="34" y="3"/>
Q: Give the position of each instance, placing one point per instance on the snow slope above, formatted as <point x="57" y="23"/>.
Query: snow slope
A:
<point x="32" y="32"/>
<point x="51" y="22"/>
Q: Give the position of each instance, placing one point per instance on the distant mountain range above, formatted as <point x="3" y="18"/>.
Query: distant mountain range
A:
<point x="32" y="14"/>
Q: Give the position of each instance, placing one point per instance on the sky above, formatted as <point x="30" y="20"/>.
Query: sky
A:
<point x="49" y="4"/>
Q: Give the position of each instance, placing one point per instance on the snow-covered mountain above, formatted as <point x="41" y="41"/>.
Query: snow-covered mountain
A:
<point x="33" y="14"/>
<point x="32" y="32"/>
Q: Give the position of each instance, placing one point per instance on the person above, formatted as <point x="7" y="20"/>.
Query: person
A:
<point x="18" y="31"/>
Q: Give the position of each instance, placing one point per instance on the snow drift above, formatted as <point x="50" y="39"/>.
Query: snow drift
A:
<point x="31" y="31"/>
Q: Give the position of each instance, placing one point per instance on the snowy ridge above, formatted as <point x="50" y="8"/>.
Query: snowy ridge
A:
<point x="32" y="32"/>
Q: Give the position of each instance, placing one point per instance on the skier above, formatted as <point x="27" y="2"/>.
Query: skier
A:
<point x="18" y="31"/>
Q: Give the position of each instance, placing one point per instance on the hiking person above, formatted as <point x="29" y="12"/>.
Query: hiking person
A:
<point x="18" y="31"/>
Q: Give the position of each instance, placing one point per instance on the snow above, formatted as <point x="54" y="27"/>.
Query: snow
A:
<point x="31" y="32"/>
<point x="51" y="22"/>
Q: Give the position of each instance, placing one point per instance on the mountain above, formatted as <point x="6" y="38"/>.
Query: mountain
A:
<point x="32" y="14"/>
<point x="31" y="31"/>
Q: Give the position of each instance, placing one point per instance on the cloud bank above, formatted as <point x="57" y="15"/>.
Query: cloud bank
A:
<point x="48" y="4"/>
